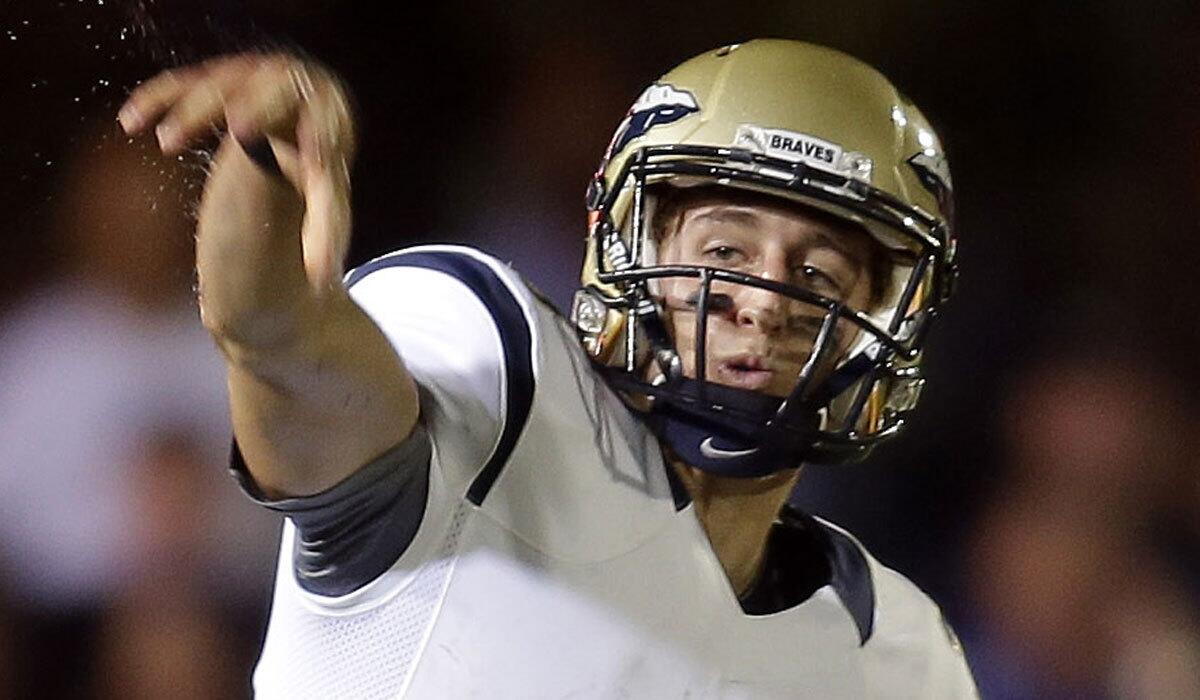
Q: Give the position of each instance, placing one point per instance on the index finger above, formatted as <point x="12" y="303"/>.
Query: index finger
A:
<point x="150" y="100"/>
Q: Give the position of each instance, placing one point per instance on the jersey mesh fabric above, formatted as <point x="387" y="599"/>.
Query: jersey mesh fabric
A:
<point x="370" y="655"/>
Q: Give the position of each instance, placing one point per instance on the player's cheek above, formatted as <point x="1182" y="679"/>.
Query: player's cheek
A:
<point x="686" y="346"/>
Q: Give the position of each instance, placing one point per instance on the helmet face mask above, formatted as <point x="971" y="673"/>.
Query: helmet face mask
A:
<point x="847" y="395"/>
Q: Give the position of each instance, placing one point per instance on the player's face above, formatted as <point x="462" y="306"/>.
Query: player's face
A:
<point x="757" y="339"/>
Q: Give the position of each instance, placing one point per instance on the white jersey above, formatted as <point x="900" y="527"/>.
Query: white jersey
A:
<point x="554" y="559"/>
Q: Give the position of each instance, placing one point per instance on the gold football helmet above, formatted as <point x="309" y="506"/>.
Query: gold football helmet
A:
<point x="806" y="124"/>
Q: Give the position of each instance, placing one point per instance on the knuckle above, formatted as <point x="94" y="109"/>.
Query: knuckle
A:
<point x="277" y="66"/>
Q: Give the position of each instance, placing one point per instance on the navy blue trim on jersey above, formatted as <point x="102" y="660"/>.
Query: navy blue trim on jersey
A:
<point x="851" y="580"/>
<point x="515" y="337"/>
<point x="844" y="566"/>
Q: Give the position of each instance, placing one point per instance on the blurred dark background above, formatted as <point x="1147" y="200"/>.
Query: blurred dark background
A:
<point x="1047" y="495"/>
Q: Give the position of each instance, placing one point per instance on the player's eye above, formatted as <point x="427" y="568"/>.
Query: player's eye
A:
<point x="723" y="253"/>
<point x="817" y="280"/>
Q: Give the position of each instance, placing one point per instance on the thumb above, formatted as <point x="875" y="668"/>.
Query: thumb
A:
<point x="325" y="232"/>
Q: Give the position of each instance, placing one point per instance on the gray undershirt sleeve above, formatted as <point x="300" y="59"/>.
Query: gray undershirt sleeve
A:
<point x="353" y="532"/>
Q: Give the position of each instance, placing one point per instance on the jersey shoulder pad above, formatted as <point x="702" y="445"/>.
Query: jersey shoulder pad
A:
<point x="464" y="325"/>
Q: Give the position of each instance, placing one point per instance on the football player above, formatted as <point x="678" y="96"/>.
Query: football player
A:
<point x="485" y="499"/>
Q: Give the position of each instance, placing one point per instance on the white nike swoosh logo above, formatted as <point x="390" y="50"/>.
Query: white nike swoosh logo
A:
<point x="707" y="449"/>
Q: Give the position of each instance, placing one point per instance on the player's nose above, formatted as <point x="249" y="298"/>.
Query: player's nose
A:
<point x="761" y="309"/>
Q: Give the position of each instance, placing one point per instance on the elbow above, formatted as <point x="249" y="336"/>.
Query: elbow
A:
<point x="228" y="330"/>
<point x="246" y="334"/>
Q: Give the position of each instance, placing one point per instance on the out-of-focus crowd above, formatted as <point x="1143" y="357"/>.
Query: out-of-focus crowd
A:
<point x="130" y="568"/>
<point x="1048" y="494"/>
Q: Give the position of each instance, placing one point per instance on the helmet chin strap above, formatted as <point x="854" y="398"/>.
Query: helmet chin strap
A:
<point x="731" y="442"/>
<point x="723" y="452"/>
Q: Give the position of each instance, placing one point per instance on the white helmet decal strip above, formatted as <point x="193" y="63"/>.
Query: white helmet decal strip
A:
<point x="802" y="148"/>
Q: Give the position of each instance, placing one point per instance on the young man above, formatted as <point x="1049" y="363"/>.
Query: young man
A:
<point x="480" y="507"/>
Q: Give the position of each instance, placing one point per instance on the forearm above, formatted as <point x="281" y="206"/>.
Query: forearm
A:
<point x="315" y="388"/>
<point x="308" y="414"/>
<point x="254" y="293"/>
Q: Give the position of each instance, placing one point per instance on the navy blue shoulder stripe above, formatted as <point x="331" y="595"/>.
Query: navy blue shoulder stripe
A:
<point x="851" y="580"/>
<point x="849" y="572"/>
<point x="515" y="337"/>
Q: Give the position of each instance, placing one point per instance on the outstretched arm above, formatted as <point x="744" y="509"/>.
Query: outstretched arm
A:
<point x="315" y="388"/>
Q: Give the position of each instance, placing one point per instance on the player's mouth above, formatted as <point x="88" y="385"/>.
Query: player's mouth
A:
<point x="751" y="372"/>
